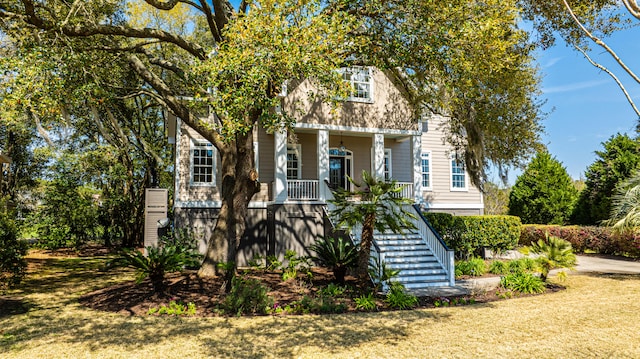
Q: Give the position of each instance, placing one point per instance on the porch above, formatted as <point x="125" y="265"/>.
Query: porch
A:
<point x="309" y="190"/>
<point x="314" y="157"/>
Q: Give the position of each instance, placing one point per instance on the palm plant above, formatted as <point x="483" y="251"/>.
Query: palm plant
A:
<point x="173" y="254"/>
<point x="336" y="253"/>
<point x="379" y="208"/>
<point x="625" y="208"/>
<point x="554" y="252"/>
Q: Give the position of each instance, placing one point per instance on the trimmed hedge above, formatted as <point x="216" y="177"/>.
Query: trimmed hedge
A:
<point x="598" y="239"/>
<point x="467" y="235"/>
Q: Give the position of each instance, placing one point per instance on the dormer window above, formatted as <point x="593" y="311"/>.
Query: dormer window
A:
<point x="361" y="83"/>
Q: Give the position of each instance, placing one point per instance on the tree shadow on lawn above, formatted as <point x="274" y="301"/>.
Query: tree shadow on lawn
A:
<point x="615" y="276"/>
<point x="256" y="337"/>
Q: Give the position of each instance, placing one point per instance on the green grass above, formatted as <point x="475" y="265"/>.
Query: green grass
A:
<point x="597" y="316"/>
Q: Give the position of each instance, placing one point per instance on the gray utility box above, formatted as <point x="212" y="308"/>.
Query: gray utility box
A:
<point x="155" y="209"/>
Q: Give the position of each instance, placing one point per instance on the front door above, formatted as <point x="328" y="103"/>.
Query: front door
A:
<point x="337" y="172"/>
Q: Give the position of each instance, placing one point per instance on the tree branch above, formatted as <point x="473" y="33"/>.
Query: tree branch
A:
<point x="615" y="78"/>
<point x="213" y="27"/>
<point x="602" y="44"/>
<point x="633" y="7"/>
<point x="174" y="103"/>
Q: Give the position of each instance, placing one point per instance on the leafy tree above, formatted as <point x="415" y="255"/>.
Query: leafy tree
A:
<point x="378" y="208"/>
<point x="496" y="199"/>
<point x="12" y="251"/>
<point x="466" y="60"/>
<point x="544" y="193"/>
<point x="615" y="163"/>
<point x="69" y="213"/>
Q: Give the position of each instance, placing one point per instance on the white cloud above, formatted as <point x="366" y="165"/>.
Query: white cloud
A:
<point x="574" y="86"/>
<point x="552" y="62"/>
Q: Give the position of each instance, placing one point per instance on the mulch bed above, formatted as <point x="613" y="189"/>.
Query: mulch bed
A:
<point x="207" y="293"/>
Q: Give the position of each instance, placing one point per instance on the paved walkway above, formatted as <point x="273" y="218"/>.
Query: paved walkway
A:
<point x="586" y="264"/>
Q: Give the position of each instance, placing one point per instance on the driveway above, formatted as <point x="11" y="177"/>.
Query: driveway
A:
<point x="586" y="264"/>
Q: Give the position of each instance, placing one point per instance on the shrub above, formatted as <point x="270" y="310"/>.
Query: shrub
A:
<point x="12" y="251"/>
<point x="174" y="308"/>
<point x="337" y="254"/>
<point x="247" y="296"/>
<point x="466" y="235"/>
<point x="553" y="253"/>
<point x="522" y="282"/>
<point x="598" y="239"/>
<point x="366" y="302"/>
<point x="332" y="290"/>
<point x="295" y="263"/>
<point x="170" y="256"/>
<point x="380" y="274"/>
<point x="498" y="267"/>
<point x="398" y="298"/>
<point x="474" y="267"/>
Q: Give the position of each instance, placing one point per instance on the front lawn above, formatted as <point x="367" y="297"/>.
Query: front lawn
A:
<point x="597" y="316"/>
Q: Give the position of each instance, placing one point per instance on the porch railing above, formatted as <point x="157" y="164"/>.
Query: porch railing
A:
<point x="407" y="190"/>
<point x="302" y="189"/>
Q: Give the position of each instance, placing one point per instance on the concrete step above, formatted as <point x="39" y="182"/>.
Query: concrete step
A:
<point x="418" y="272"/>
<point x="414" y="265"/>
<point x="407" y="248"/>
<point x="408" y="254"/>
<point x="400" y="242"/>
<point x="421" y="278"/>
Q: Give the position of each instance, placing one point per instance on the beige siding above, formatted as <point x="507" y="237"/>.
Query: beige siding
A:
<point x="441" y="193"/>
<point x="389" y="109"/>
<point x="309" y="148"/>
<point x="187" y="192"/>
<point x="401" y="159"/>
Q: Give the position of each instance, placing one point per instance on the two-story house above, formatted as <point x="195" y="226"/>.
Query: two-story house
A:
<point x="375" y="130"/>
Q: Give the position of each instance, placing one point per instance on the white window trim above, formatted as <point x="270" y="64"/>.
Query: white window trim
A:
<point x="256" y="158"/>
<point x="429" y="157"/>
<point x="295" y="148"/>
<point x="466" y="176"/>
<point x="387" y="155"/>
<point x="199" y="143"/>
<point x="371" y="85"/>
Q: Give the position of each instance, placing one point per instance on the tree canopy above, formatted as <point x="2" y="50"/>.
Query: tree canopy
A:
<point x="543" y="193"/>
<point x="220" y="70"/>
<point x="616" y="162"/>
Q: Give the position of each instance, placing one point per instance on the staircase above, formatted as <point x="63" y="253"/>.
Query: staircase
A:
<point x="410" y="253"/>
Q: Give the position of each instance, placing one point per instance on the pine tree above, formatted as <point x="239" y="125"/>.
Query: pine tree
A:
<point x="544" y="193"/>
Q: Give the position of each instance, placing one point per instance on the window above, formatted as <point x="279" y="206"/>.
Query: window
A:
<point x="458" y="174"/>
<point x="293" y="162"/>
<point x="361" y="83"/>
<point x="202" y="164"/>
<point x="387" y="164"/>
<point x="426" y="171"/>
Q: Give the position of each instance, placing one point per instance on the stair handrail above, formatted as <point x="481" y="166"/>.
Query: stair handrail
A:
<point x="441" y="251"/>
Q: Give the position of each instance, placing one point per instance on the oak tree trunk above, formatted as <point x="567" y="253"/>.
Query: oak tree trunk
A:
<point x="239" y="184"/>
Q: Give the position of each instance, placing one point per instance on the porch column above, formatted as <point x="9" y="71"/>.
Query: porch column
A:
<point x="378" y="155"/>
<point x="280" y="160"/>
<point x="323" y="163"/>
<point x="416" y="147"/>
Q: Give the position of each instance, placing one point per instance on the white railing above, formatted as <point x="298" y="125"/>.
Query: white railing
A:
<point x="407" y="190"/>
<point x="302" y="189"/>
<point x="439" y="249"/>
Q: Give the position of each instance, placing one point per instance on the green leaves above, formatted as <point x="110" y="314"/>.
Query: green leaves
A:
<point x="544" y="193"/>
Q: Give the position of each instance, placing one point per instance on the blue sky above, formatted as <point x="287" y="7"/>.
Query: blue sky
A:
<point x="585" y="104"/>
